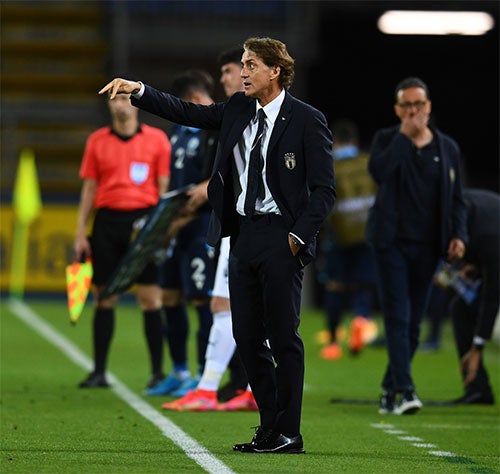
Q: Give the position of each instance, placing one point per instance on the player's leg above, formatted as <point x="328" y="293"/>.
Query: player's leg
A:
<point x="149" y="297"/>
<point x="175" y="326"/>
<point x="109" y="241"/>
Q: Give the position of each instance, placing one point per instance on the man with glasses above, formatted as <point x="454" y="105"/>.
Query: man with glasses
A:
<point x="419" y="215"/>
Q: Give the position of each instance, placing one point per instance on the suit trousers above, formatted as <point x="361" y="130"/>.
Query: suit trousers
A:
<point x="404" y="278"/>
<point x="265" y="285"/>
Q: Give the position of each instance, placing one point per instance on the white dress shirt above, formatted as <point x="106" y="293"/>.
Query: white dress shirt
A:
<point x="267" y="205"/>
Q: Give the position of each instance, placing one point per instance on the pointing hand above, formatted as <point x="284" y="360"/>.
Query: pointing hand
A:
<point x="120" y="86"/>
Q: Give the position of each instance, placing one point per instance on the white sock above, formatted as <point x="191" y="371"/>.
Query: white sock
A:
<point x="220" y="349"/>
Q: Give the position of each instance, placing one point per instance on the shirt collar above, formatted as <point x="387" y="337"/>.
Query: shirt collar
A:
<point x="273" y="108"/>
<point x="125" y="137"/>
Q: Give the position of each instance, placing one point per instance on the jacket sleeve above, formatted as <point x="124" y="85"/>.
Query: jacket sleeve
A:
<point x="320" y="178"/>
<point x="172" y="108"/>
<point x="459" y="210"/>
<point x="208" y="149"/>
<point x="389" y="146"/>
<point x="488" y="293"/>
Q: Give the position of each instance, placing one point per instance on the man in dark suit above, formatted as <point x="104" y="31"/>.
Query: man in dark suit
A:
<point x="473" y="322"/>
<point x="419" y="215"/>
<point x="271" y="189"/>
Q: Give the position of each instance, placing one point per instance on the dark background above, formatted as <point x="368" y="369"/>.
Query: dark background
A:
<point x="56" y="55"/>
<point x="359" y="67"/>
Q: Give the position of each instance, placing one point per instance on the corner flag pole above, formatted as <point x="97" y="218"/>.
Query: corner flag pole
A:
<point x="27" y="205"/>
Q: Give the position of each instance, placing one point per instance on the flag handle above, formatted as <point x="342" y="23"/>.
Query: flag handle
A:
<point x="19" y="259"/>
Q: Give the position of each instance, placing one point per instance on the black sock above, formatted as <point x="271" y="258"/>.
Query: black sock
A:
<point x="154" y="338"/>
<point x="176" y="331"/>
<point x="205" y="319"/>
<point x="104" y="324"/>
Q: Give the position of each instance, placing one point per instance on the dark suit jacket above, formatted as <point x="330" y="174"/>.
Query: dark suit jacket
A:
<point x="299" y="159"/>
<point x="483" y="251"/>
<point x="389" y="150"/>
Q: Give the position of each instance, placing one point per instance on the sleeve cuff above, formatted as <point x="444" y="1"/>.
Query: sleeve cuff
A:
<point x="139" y="94"/>
<point x="478" y="341"/>
<point x="296" y="238"/>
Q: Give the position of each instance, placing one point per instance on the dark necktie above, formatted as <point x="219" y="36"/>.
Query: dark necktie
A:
<point x="255" y="167"/>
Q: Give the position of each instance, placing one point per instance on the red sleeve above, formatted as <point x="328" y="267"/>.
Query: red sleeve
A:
<point x="88" y="168"/>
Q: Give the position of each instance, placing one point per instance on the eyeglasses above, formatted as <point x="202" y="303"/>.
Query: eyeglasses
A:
<point x="418" y="104"/>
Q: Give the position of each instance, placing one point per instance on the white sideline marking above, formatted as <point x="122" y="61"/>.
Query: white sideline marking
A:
<point x="192" y="449"/>
<point x="443" y="454"/>
<point x="410" y="438"/>
<point x="424" y="445"/>
<point x="417" y="442"/>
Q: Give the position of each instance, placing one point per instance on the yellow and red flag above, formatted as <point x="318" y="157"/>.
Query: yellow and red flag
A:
<point x="78" y="282"/>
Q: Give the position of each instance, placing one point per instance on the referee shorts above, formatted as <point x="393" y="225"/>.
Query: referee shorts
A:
<point x="110" y="241"/>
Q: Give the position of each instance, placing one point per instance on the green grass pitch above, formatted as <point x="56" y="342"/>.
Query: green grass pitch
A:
<point x="48" y="425"/>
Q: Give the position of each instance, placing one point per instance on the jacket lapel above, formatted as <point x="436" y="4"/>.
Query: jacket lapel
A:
<point x="281" y="122"/>
<point x="239" y="125"/>
<point x="238" y="116"/>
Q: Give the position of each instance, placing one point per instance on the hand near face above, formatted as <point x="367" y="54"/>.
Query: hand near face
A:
<point x="413" y="109"/>
<point x="414" y="123"/>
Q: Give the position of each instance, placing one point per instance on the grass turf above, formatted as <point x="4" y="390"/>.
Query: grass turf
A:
<point x="49" y="425"/>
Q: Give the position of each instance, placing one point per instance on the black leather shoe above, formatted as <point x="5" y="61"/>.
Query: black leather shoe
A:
<point x="475" y="398"/>
<point x="94" y="380"/>
<point x="260" y="435"/>
<point x="269" y="441"/>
